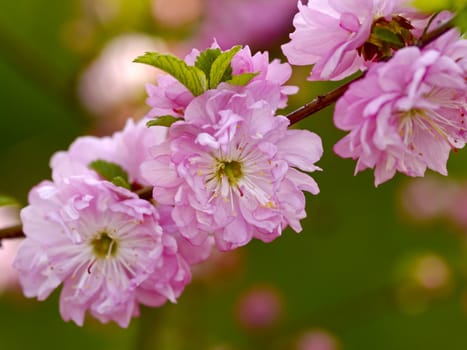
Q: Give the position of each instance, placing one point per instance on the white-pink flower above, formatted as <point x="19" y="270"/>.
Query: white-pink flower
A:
<point x="230" y="169"/>
<point x="128" y="148"/>
<point x="104" y="245"/>
<point x="407" y="114"/>
<point x="329" y="32"/>
<point x="170" y="97"/>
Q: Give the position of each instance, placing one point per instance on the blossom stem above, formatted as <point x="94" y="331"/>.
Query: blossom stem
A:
<point x="319" y="103"/>
<point x="11" y="232"/>
<point x="322" y="101"/>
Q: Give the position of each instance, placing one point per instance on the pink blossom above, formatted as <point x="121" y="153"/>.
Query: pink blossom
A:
<point x="127" y="148"/>
<point x="275" y="71"/>
<point x="329" y="32"/>
<point x="230" y="168"/>
<point x="104" y="245"/>
<point x="170" y="97"/>
<point x="406" y="114"/>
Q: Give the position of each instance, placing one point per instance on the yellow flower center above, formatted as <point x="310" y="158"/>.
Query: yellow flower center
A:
<point x="104" y="245"/>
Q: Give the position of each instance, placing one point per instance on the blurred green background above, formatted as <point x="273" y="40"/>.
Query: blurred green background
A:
<point x="370" y="270"/>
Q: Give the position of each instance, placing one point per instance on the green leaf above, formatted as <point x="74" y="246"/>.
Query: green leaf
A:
<point x="387" y="36"/>
<point x="242" y="79"/>
<point x="191" y="77"/>
<point x="121" y="182"/>
<point x="166" y="120"/>
<point x="7" y="200"/>
<point x="111" y="172"/>
<point x="206" y="59"/>
<point x="221" y="69"/>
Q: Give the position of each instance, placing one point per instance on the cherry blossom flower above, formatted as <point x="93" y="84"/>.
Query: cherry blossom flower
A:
<point x="407" y="114"/>
<point x="329" y="34"/>
<point x="231" y="168"/>
<point x="103" y="244"/>
<point x="127" y="148"/>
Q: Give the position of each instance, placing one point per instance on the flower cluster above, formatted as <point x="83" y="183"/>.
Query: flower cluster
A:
<point x="413" y="114"/>
<point x="408" y="110"/>
<point x="213" y="164"/>
<point x="226" y="171"/>
<point x="229" y="166"/>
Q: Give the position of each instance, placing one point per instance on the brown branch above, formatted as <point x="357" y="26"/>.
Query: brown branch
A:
<point x="145" y="193"/>
<point x="319" y="103"/>
<point x="322" y="101"/>
<point x="11" y="232"/>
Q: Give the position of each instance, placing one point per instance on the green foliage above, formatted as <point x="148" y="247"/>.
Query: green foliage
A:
<point x="191" y="77"/>
<point x="211" y="68"/>
<point x="111" y="172"/>
<point x="242" y="79"/>
<point x="386" y="35"/>
<point x="461" y="19"/>
<point x="221" y="69"/>
<point x="166" y="120"/>
<point x="206" y="58"/>
<point x="439" y="5"/>
<point x="217" y="67"/>
<point x="7" y="200"/>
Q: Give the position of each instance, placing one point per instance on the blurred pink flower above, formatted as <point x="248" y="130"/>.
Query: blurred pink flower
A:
<point x="176" y="13"/>
<point x="258" y="23"/>
<point x="112" y="79"/>
<point x="259" y="308"/>
<point x="328" y="34"/>
<point x="406" y="114"/>
<point x="318" y="340"/>
<point x="230" y="168"/>
<point x="104" y="244"/>
<point x="457" y="209"/>
<point x="429" y="198"/>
